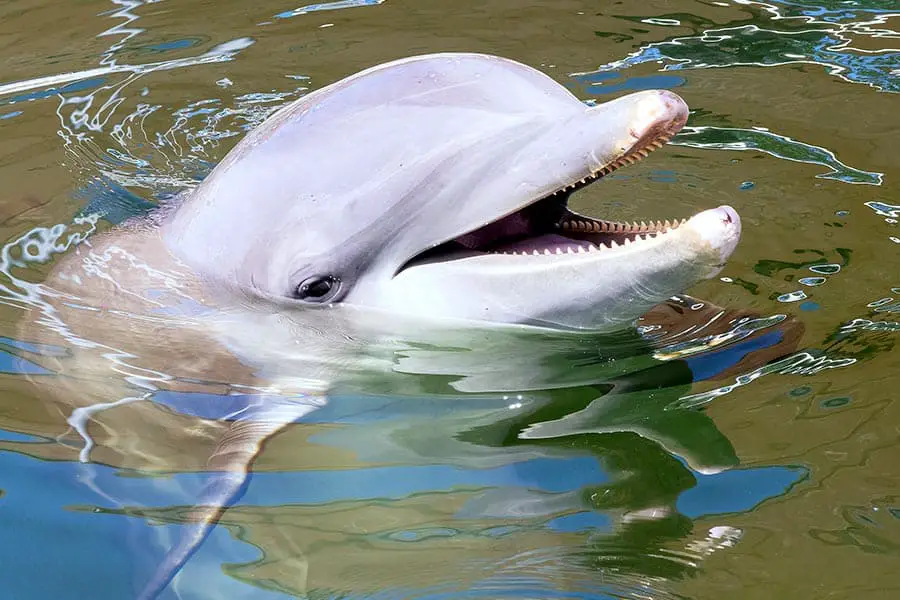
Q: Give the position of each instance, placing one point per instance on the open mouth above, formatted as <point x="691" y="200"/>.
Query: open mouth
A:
<point x="548" y="227"/>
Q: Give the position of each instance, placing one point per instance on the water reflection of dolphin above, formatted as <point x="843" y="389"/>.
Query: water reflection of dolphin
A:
<point x="589" y="406"/>
<point x="354" y="232"/>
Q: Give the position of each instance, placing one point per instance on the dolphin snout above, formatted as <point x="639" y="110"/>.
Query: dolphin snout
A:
<point x="720" y="227"/>
<point x="660" y="113"/>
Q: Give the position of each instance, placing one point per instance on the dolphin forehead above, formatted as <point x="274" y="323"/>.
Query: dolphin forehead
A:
<point x="474" y="81"/>
<point x="413" y="105"/>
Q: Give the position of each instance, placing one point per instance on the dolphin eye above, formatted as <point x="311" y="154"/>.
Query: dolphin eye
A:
<point x="319" y="288"/>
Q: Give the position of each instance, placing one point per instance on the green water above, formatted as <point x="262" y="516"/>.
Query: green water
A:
<point x="769" y="472"/>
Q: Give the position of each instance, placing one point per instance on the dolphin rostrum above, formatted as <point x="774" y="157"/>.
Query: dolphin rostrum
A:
<point x="432" y="189"/>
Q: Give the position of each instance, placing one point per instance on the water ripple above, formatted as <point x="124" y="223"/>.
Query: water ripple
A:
<point x="801" y="363"/>
<point x="830" y="45"/>
<point x="50" y="84"/>
<point x="779" y="146"/>
<point x="310" y="8"/>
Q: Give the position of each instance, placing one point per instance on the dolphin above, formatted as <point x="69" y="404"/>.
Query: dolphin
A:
<point x="427" y="193"/>
<point x="437" y="186"/>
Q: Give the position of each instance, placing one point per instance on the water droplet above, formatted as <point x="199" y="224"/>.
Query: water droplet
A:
<point x="825" y="269"/>
<point x="896" y="240"/>
<point x="842" y="213"/>
<point x="891" y="221"/>
<point x="793" y="296"/>
<point x="812" y="281"/>
<point x="747" y="185"/>
<point x="224" y="82"/>
<point x="800" y="391"/>
<point x="726" y="279"/>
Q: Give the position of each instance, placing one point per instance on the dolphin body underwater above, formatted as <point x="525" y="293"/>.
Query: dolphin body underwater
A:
<point x="411" y="201"/>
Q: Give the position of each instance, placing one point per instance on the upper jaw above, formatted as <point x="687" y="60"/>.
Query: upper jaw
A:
<point x="647" y="121"/>
<point x="571" y="155"/>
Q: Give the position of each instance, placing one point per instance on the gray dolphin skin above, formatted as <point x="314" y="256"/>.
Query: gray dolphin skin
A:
<point x="432" y="190"/>
<point x="436" y="186"/>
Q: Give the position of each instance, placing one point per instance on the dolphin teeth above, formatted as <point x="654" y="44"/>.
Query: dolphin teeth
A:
<point x="667" y="224"/>
<point x="546" y="251"/>
<point x="595" y="226"/>
<point x="558" y="250"/>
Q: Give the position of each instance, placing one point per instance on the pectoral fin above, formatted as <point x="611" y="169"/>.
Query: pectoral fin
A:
<point x="229" y="467"/>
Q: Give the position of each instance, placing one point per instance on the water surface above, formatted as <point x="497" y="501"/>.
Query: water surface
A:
<point x="748" y="456"/>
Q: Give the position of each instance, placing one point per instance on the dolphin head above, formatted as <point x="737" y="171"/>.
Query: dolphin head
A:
<point x="438" y="186"/>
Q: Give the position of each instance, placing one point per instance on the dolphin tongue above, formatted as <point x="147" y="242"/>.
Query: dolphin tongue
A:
<point x="513" y="225"/>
